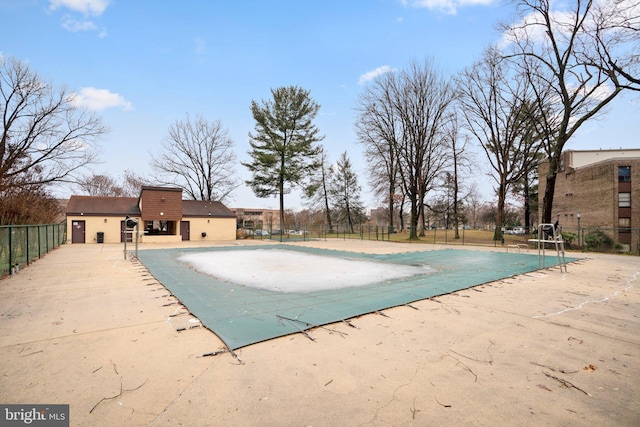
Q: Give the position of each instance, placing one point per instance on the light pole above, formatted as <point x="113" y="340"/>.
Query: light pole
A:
<point x="578" y="215"/>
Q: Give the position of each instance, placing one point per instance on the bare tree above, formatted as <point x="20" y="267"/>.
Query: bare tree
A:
<point x="197" y="157"/>
<point x="28" y="204"/>
<point x="423" y="103"/>
<point x="378" y="128"/>
<point x="409" y="112"/>
<point x="129" y="185"/>
<point x="132" y="183"/>
<point x="317" y="192"/>
<point x="474" y="204"/>
<point x="585" y="54"/>
<point x="344" y="193"/>
<point x="494" y="104"/>
<point x="527" y="189"/>
<point x="45" y="135"/>
<point x="100" y="185"/>
<point x="461" y="164"/>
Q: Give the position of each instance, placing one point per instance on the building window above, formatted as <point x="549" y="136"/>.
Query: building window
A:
<point x="624" y="237"/>
<point x="624" y="200"/>
<point x="624" y="173"/>
<point x="160" y="227"/>
<point x="624" y="222"/>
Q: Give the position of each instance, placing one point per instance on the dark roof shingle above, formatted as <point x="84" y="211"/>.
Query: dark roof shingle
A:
<point x="111" y="206"/>
<point x="95" y="205"/>
<point x="201" y="208"/>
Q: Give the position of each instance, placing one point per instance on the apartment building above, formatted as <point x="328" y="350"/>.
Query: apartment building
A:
<point x="598" y="189"/>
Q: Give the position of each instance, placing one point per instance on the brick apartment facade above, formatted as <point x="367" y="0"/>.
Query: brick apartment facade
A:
<point x="267" y="219"/>
<point x="603" y="187"/>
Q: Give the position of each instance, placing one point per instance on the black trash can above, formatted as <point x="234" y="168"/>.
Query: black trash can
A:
<point x="100" y="237"/>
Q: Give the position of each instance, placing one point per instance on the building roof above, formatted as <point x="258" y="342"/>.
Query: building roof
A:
<point x="123" y="206"/>
<point x="582" y="158"/>
<point x="96" y="205"/>
<point x="199" y="208"/>
<point x="155" y="188"/>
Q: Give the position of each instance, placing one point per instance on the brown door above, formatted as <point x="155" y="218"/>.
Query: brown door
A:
<point x="77" y="231"/>
<point x="184" y="230"/>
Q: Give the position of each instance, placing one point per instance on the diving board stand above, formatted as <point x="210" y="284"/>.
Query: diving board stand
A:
<point x="549" y="233"/>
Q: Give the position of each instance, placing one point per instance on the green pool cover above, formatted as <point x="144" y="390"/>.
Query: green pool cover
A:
<point x="242" y="315"/>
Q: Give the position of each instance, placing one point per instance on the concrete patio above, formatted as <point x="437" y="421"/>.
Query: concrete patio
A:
<point x="85" y="327"/>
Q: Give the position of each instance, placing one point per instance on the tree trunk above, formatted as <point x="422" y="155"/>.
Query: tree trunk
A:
<point x="547" y="202"/>
<point x="391" y="204"/>
<point x="349" y="218"/>
<point x="402" y="215"/>
<point x="549" y="190"/>
<point x="497" y="236"/>
<point x="281" y="189"/>
<point x="326" y="200"/>
<point x="413" y="226"/>
<point x="455" y="200"/>
<point x="527" y="205"/>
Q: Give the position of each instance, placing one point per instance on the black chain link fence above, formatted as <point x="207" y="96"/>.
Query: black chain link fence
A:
<point x="22" y="244"/>
<point x="606" y="240"/>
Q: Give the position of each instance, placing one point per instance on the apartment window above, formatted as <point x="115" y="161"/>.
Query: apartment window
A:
<point x="624" y="222"/>
<point x="624" y="173"/>
<point x="624" y="237"/>
<point x="624" y="200"/>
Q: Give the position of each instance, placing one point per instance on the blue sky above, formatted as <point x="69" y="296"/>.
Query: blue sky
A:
<point x="143" y="64"/>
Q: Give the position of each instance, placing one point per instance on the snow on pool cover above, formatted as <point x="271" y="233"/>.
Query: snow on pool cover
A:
<point x="246" y="294"/>
<point x="282" y="270"/>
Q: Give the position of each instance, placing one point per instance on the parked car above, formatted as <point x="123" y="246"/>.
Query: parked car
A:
<point x="261" y="233"/>
<point x="514" y="230"/>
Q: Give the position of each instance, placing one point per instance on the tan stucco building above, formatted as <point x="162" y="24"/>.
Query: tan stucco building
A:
<point x="161" y="213"/>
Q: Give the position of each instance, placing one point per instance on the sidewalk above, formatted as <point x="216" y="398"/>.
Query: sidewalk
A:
<point x="84" y="327"/>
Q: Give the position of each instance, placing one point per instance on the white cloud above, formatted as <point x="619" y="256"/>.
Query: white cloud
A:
<point x="100" y="99"/>
<point x="72" y="25"/>
<point x="447" y="6"/>
<point x="532" y="26"/>
<point x="370" y="75"/>
<point x="88" y="7"/>
<point x="85" y="7"/>
<point x="623" y="13"/>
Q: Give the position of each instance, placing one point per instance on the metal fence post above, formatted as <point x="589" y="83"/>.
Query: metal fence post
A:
<point x="39" y="243"/>
<point x="10" y="232"/>
<point x="28" y="244"/>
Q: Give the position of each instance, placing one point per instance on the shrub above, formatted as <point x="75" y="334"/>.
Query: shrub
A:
<point x="597" y="240"/>
<point x="569" y="238"/>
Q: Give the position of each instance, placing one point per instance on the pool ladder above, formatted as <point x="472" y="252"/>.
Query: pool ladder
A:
<point x="549" y="233"/>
